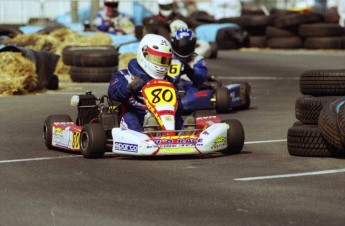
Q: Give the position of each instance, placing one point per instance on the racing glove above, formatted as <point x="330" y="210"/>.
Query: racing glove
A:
<point x="136" y="85"/>
<point x="188" y="70"/>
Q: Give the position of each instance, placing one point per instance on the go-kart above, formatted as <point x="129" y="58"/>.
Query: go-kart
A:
<point x="97" y="128"/>
<point x="211" y="94"/>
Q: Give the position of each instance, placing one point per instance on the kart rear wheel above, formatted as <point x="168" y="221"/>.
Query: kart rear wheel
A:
<point x="247" y="96"/>
<point x="47" y="127"/>
<point x="235" y="137"/>
<point x="222" y="100"/>
<point x="93" y="141"/>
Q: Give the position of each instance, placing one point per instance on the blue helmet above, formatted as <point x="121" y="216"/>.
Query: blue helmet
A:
<point x="183" y="43"/>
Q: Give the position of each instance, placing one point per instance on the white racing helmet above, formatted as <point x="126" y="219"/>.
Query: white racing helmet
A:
<point x="166" y="7"/>
<point x="154" y="55"/>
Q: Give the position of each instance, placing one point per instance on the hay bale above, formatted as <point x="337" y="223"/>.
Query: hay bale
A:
<point x="17" y="74"/>
<point x="56" y="41"/>
<point x="124" y="59"/>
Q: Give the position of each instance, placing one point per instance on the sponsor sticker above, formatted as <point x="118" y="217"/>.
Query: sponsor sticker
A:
<point x="126" y="147"/>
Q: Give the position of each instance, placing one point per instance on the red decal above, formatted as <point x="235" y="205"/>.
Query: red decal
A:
<point x="201" y="94"/>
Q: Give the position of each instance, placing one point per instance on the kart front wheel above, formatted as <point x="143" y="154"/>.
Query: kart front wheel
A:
<point x="222" y="100"/>
<point x="93" y="141"/>
<point x="47" y="127"/>
<point x="235" y="137"/>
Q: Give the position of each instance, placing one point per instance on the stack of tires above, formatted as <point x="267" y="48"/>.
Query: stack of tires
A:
<point x="284" y="29"/>
<point x="91" y="63"/>
<point x="308" y="30"/>
<point x="320" y="129"/>
<point x="322" y="36"/>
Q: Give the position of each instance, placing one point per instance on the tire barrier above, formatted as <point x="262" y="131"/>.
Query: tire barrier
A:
<point x="320" y="129"/>
<point x="91" y="63"/>
<point x="290" y="30"/>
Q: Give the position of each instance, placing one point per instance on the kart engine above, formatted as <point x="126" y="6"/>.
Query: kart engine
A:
<point x="87" y="108"/>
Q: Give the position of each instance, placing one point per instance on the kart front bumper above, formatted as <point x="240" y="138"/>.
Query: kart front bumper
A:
<point x="129" y="142"/>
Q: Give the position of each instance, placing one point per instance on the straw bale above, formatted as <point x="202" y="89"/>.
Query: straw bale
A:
<point x="124" y="59"/>
<point x="57" y="40"/>
<point x="22" y="38"/>
<point x="17" y="74"/>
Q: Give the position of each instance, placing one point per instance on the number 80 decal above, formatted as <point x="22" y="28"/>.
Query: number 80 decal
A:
<point x="161" y="95"/>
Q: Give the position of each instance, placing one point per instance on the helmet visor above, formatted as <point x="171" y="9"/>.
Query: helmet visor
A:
<point x="111" y="4"/>
<point x="156" y="57"/>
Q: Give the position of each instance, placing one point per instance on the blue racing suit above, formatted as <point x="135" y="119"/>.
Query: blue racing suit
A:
<point x="189" y="78"/>
<point x="136" y="109"/>
<point x="116" y="23"/>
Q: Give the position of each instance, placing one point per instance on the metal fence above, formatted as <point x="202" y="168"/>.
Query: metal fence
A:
<point x="20" y="11"/>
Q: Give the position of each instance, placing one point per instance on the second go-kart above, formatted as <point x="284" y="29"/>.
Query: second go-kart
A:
<point x="211" y="94"/>
<point x="97" y="128"/>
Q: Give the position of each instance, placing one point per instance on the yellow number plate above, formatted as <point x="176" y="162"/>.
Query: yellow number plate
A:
<point x="159" y="92"/>
<point x="174" y="69"/>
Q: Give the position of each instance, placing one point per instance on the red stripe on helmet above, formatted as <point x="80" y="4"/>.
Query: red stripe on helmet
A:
<point x="157" y="53"/>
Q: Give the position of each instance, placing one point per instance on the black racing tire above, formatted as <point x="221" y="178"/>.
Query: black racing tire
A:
<point x="332" y="18"/>
<point x="328" y="124"/>
<point x="341" y="120"/>
<point x="93" y="141"/>
<point x="285" y="43"/>
<point x="50" y="29"/>
<point x="214" y="50"/>
<point x="280" y="12"/>
<point x="257" y="41"/>
<point x="47" y="127"/>
<point x="256" y="20"/>
<point x="90" y="56"/>
<point x="323" y="82"/>
<point x="274" y="32"/>
<point x="222" y="100"/>
<point x="324" y="43"/>
<point x="306" y="140"/>
<point x="291" y="20"/>
<point x="320" y="30"/>
<point x="91" y="74"/>
<point x="308" y="108"/>
<point x="10" y="31"/>
<point x="235" y="137"/>
<point x="230" y="38"/>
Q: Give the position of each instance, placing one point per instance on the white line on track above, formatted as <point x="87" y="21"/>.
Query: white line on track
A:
<point x="77" y="156"/>
<point x="265" y="141"/>
<point x="291" y="175"/>
<point x="258" y="78"/>
<point x="38" y="159"/>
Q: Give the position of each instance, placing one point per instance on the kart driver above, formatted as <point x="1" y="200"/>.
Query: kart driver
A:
<point x="160" y="23"/>
<point x="191" y="67"/>
<point x="153" y="59"/>
<point x="112" y="21"/>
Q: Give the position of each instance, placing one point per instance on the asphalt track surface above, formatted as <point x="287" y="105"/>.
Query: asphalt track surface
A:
<point x="263" y="185"/>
